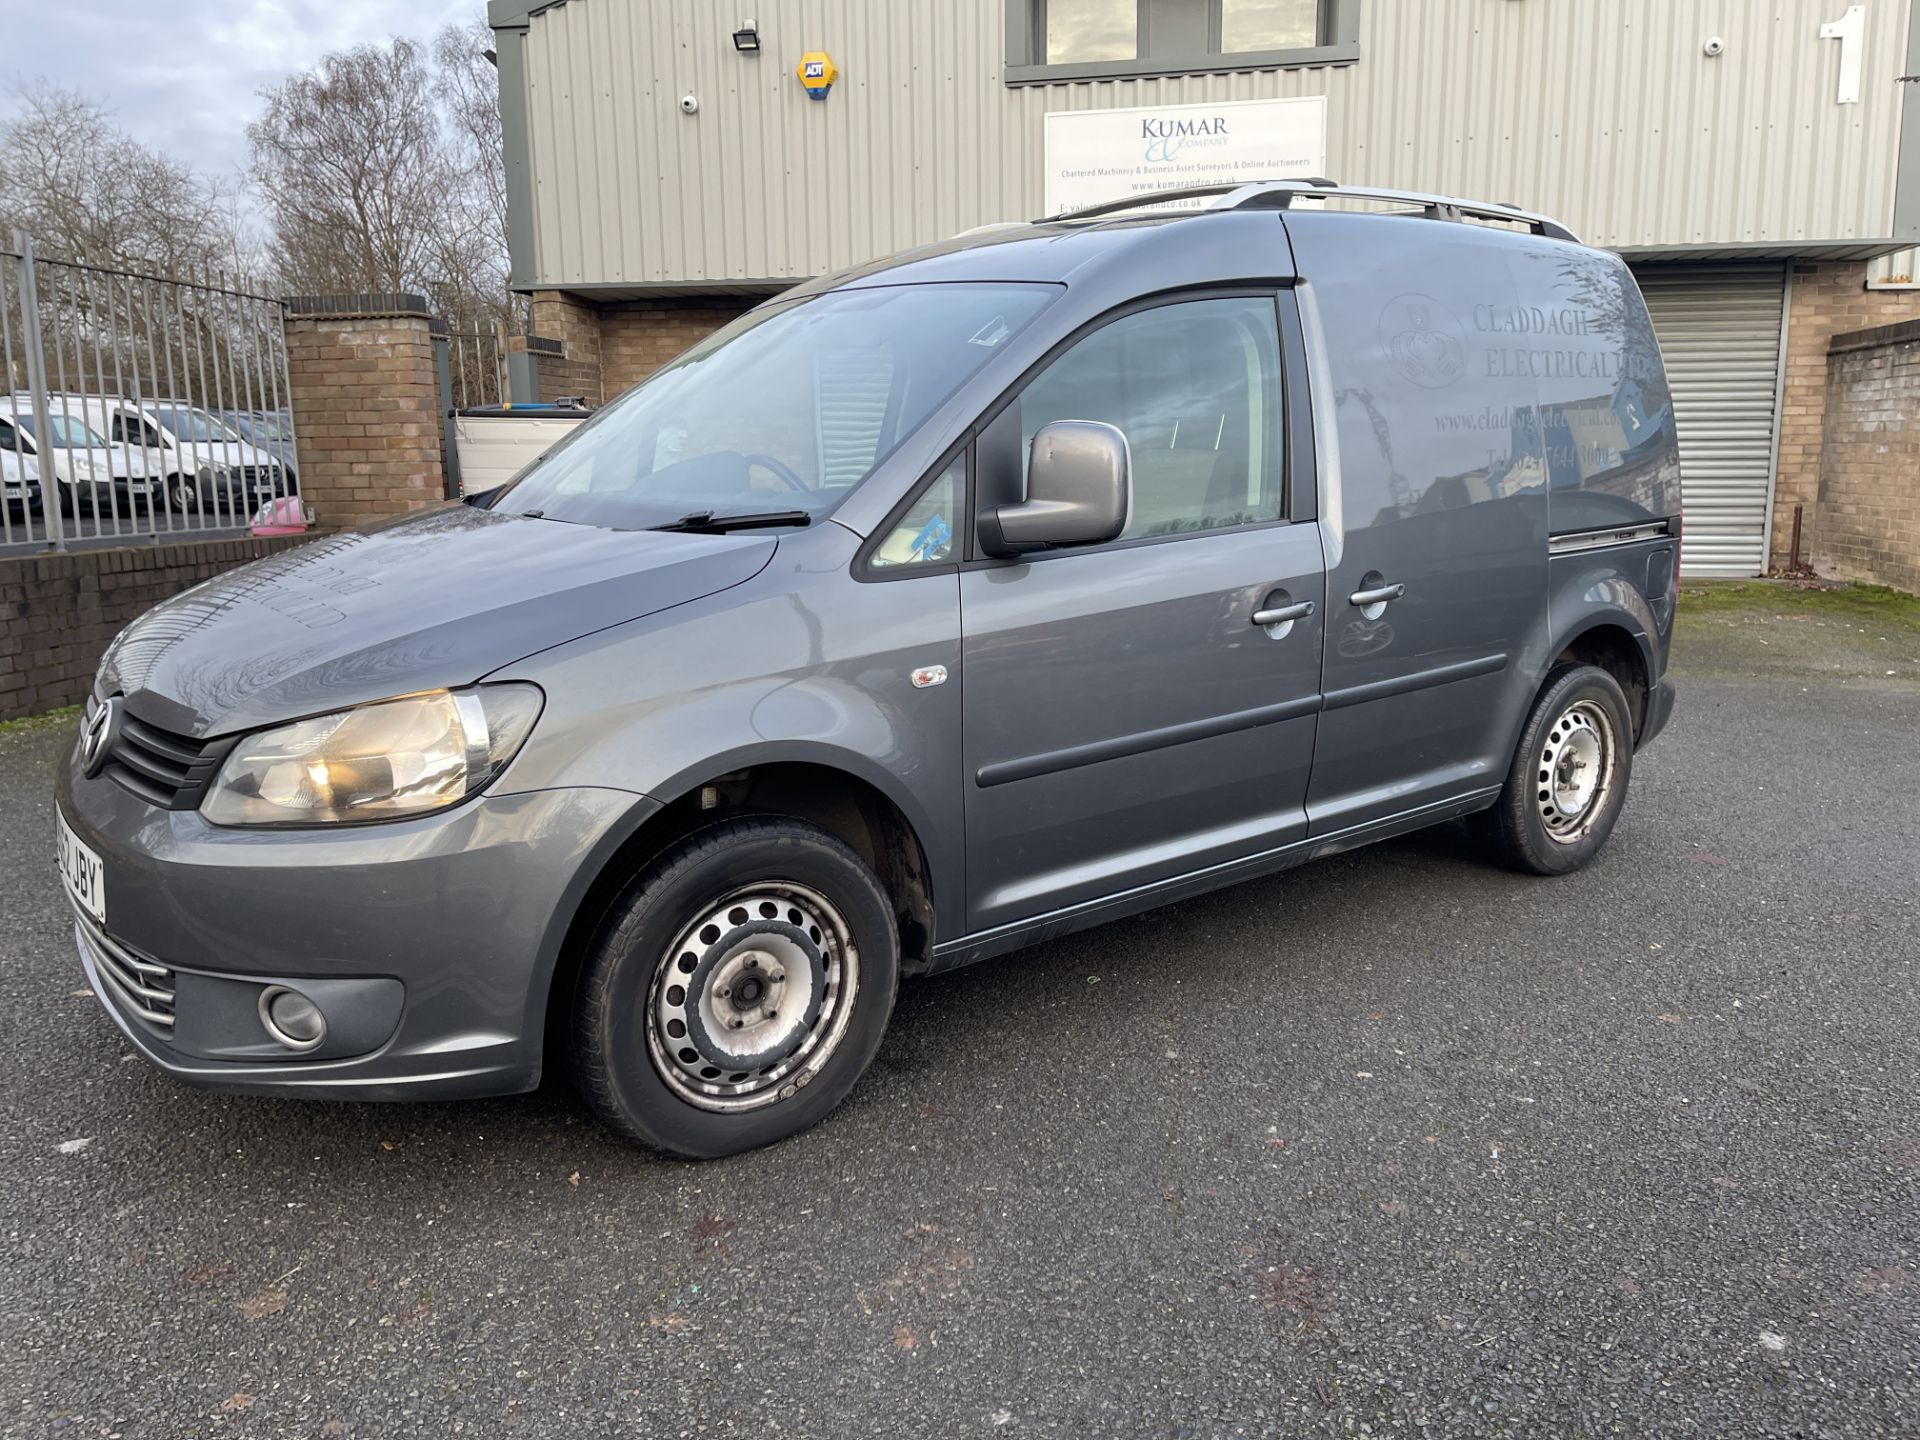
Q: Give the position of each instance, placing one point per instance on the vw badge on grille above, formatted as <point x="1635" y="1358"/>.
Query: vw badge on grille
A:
<point x="97" y="737"/>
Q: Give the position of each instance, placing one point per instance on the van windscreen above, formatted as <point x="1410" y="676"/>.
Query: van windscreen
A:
<point x="786" y="409"/>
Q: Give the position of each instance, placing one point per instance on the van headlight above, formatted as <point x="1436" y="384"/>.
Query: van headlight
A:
<point x="384" y="761"/>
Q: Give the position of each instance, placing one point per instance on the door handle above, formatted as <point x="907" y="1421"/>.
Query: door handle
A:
<point x="1379" y="595"/>
<point x="1283" y="614"/>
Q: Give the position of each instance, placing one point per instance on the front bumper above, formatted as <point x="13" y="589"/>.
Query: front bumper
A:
<point x="428" y="943"/>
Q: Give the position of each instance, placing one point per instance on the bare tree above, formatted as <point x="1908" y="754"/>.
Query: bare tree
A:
<point x="382" y="171"/>
<point x="86" y="189"/>
<point x="468" y="87"/>
<point x="348" y="159"/>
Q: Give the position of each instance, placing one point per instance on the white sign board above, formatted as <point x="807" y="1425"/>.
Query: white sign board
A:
<point x="1093" y="156"/>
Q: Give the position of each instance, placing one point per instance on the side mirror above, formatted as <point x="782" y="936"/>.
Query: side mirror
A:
<point x="1079" y="491"/>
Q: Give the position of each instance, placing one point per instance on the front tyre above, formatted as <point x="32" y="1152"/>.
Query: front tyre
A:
<point x="738" y="991"/>
<point x="1569" y="775"/>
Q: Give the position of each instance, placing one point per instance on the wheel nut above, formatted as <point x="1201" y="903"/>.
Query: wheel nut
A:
<point x="737" y="1023"/>
<point x="776" y="977"/>
<point x="752" y="962"/>
<point x="725" y="992"/>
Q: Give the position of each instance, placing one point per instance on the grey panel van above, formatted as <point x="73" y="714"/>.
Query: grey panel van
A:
<point x="977" y="595"/>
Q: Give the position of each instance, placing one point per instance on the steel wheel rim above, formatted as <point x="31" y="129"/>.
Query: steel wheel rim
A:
<point x="788" y="1030"/>
<point x="1574" y="776"/>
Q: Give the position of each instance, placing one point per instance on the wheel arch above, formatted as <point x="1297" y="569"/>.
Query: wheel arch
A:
<point x="839" y="792"/>
<point x="1612" y="642"/>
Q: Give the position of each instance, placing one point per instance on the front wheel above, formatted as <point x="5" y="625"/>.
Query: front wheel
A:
<point x="1569" y="775"/>
<point x="738" y="991"/>
<point x="183" y="493"/>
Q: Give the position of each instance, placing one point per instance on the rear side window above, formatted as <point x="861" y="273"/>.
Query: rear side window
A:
<point x="1195" y="388"/>
<point x="1604" y="419"/>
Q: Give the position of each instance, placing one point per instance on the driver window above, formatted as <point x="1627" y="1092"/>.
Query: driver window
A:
<point x="1195" y="388"/>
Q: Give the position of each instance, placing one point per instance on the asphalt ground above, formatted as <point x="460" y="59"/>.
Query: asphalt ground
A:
<point x="1393" y="1144"/>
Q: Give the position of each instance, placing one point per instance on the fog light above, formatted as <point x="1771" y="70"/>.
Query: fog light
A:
<point x="291" y="1018"/>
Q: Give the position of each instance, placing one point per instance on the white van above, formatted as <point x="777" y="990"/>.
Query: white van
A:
<point x="202" y="462"/>
<point x="86" y="469"/>
<point x="19" y="469"/>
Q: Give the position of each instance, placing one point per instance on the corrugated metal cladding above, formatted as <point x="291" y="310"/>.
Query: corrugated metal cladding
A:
<point x="1719" y="329"/>
<point x="1602" y="112"/>
<point x="1898" y="271"/>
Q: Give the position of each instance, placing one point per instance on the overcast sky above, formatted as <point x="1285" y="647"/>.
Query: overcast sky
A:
<point x="185" y="75"/>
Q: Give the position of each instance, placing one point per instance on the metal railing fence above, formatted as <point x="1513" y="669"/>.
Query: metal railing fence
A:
<point x="477" y="366"/>
<point x="136" y="406"/>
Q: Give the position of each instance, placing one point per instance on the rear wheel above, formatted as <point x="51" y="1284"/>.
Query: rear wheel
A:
<point x="739" y="991"/>
<point x="1569" y="775"/>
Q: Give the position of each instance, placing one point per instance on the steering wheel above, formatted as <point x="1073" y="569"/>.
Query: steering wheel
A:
<point x="777" y="469"/>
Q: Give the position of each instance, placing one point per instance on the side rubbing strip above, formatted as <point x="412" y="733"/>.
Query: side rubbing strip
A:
<point x="1405" y="684"/>
<point x="1600" y="539"/>
<point x="1072" y="758"/>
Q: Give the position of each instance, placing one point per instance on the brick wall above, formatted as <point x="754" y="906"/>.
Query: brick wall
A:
<point x="612" y="347"/>
<point x="366" y="404"/>
<point x="637" y="337"/>
<point x="1826" y="300"/>
<point x="1866" y="522"/>
<point x="58" y="612"/>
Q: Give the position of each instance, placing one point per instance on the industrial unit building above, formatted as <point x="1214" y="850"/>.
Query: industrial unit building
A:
<point x="671" y="162"/>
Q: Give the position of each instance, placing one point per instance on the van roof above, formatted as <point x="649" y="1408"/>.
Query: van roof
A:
<point x="1236" y="222"/>
<point x="1283" y="194"/>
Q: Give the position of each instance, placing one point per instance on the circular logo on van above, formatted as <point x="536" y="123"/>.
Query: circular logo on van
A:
<point x="1424" y="341"/>
<point x="96" y="737"/>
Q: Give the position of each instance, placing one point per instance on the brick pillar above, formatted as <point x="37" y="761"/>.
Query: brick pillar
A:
<point x="576" y="369"/>
<point x="366" y="406"/>
<point x="540" y="371"/>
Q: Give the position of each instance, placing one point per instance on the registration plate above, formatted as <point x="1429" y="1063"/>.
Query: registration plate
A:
<point x="82" y="872"/>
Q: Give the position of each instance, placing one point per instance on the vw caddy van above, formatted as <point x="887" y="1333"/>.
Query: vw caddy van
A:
<point x="929" y="610"/>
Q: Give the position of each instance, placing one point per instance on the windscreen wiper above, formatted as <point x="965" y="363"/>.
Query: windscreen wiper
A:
<point x="705" y="522"/>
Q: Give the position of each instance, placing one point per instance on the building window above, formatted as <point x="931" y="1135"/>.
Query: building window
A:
<point x="1079" y="30"/>
<point x="1268" y="25"/>
<point x="1050" y="41"/>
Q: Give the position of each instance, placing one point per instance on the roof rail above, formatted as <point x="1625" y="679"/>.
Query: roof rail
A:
<point x="1280" y="195"/>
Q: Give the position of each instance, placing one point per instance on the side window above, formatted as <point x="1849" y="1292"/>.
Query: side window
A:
<point x="925" y="534"/>
<point x="1195" y="388"/>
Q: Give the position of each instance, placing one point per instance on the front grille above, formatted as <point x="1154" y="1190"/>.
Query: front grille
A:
<point x="162" y="768"/>
<point x="139" y="982"/>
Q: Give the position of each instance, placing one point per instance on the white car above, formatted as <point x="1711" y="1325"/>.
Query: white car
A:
<point x="86" y="470"/>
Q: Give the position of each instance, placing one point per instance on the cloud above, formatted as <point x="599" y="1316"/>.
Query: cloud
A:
<point x="185" y="75"/>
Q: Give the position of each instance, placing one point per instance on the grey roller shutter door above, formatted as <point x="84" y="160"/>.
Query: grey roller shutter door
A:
<point x="1719" y="329"/>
